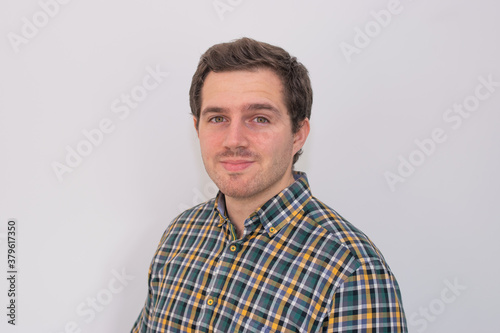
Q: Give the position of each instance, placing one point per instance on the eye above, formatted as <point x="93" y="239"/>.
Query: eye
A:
<point x="217" y="119"/>
<point x="261" y="120"/>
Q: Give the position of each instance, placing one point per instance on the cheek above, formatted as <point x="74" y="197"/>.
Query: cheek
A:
<point x="208" y="145"/>
<point x="264" y="139"/>
<point x="272" y="145"/>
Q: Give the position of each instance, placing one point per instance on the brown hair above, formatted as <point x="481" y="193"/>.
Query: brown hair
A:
<point x="249" y="54"/>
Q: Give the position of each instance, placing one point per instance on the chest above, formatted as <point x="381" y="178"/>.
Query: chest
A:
<point x="207" y="283"/>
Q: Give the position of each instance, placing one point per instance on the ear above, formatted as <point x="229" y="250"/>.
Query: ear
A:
<point x="299" y="138"/>
<point x="195" y="122"/>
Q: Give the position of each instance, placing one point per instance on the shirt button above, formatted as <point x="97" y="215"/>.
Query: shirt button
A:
<point x="210" y="301"/>
<point x="233" y="248"/>
<point x="272" y="230"/>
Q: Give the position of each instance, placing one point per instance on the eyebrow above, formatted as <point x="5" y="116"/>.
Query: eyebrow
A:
<point x="262" y="106"/>
<point x="248" y="107"/>
<point x="212" y="109"/>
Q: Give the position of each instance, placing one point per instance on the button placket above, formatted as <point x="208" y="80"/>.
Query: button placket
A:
<point x="219" y="275"/>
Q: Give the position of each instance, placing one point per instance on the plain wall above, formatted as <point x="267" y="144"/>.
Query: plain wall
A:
<point x="389" y="148"/>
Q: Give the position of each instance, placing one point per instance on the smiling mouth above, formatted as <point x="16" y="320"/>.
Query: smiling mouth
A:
<point x="233" y="166"/>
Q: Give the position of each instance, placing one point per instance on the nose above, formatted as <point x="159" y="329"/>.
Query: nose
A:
<point x="236" y="135"/>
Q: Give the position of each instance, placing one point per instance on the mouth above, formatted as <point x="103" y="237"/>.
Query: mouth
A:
<point x="237" y="165"/>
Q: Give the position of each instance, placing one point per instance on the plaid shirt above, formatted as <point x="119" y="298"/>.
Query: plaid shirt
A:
<point x="299" y="267"/>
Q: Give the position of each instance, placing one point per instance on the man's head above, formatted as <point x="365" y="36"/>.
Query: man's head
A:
<point x="246" y="54"/>
<point x="249" y="139"/>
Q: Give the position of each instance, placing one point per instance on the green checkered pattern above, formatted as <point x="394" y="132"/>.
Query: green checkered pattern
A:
<point x="299" y="267"/>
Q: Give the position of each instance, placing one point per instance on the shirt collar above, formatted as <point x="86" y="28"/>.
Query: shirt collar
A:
<point x="277" y="211"/>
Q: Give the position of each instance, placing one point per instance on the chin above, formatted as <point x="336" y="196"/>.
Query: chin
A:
<point x="235" y="188"/>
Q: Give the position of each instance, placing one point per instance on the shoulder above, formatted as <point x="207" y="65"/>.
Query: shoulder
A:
<point x="199" y="212"/>
<point x="182" y="230"/>
<point x="197" y="215"/>
<point x="342" y="231"/>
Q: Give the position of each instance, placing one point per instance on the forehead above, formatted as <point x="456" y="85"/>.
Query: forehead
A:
<point x="242" y="86"/>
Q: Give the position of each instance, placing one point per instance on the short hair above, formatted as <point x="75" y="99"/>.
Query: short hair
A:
<point x="249" y="54"/>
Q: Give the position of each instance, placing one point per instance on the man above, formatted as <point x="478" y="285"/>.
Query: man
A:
<point x="264" y="255"/>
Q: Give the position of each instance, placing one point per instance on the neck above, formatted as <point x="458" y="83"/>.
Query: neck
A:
<point x="239" y="209"/>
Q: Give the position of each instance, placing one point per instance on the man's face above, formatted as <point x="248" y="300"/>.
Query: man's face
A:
<point x="245" y="133"/>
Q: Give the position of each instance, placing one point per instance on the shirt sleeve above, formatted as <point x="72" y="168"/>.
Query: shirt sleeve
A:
<point x="368" y="301"/>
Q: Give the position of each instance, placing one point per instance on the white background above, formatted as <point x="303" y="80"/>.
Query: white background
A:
<point x="105" y="217"/>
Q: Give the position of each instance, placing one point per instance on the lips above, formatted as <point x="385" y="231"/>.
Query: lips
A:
<point x="236" y="165"/>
